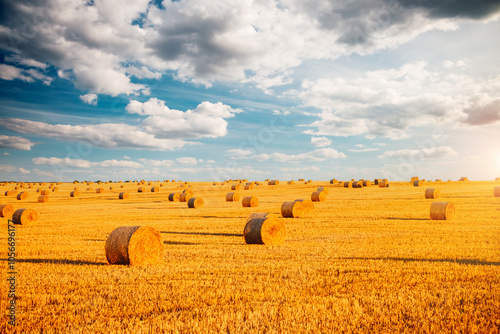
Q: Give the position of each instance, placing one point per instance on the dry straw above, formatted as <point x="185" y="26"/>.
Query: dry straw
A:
<point x="496" y="192"/>
<point x="235" y="187"/>
<point x="43" y="199"/>
<point x="24" y="216"/>
<point x="318" y="196"/>
<point x="124" y="195"/>
<point x="134" y="245"/>
<point x="6" y="210"/>
<point x="432" y="193"/>
<point x="308" y="205"/>
<point x="74" y="193"/>
<point x="22" y="195"/>
<point x="265" y="231"/>
<point x="174" y="197"/>
<point x="259" y="215"/>
<point x="442" y="210"/>
<point x="292" y="209"/>
<point x="250" y="202"/>
<point x="184" y="197"/>
<point x="196" y="203"/>
<point x="232" y="197"/>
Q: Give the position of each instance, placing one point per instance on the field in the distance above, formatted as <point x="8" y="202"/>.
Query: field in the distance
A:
<point x="367" y="260"/>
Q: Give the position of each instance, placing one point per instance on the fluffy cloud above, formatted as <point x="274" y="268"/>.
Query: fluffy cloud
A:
<point x="102" y="44"/>
<point x="320" y="141"/>
<point x="316" y="155"/>
<point x="18" y="143"/>
<point x="80" y="163"/>
<point x="387" y="103"/>
<point x="206" y="120"/>
<point x="186" y="161"/>
<point x="89" y="99"/>
<point x="426" y="153"/>
<point x="7" y="168"/>
<point x="163" y="129"/>
<point x="8" y="72"/>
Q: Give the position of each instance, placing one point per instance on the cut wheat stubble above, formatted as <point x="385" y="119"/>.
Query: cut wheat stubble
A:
<point x="134" y="246"/>
<point x="265" y="231"/>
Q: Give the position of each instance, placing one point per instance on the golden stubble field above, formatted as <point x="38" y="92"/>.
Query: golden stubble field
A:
<point x="367" y="260"/>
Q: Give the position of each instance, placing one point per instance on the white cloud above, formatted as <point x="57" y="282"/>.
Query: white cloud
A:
<point x="18" y="143"/>
<point x="156" y="163"/>
<point x="362" y="150"/>
<point x="6" y="153"/>
<point x="101" y="45"/>
<point x="24" y="171"/>
<point x="89" y="99"/>
<point x="426" y="153"/>
<point x="107" y="135"/>
<point x="206" y="120"/>
<point x="238" y="154"/>
<point x="283" y="112"/>
<point x="316" y="155"/>
<point x="186" y="161"/>
<point x="320" y="141"/>
<point x="388" y="103"/>
<point x="80" y="163"/>
<point x="7" y="168"/>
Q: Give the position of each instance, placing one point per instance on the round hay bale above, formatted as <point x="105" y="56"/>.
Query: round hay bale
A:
<point x="22" y="195"/>
<point x="249" y="187"/>
<point x="99" y="190"/>
<point x="55" y="189"/>
<point x="292" y="209"/>
<point x="414" y="178"/>
<point x="142" y="189"/>
<point x="375" y="182"/>
<point x="438" y="180"/>
<point x="235" y="187"/>
<point x="90" y="189"/>
<point x="265" y="231"/>
<point x="24" y="216"/>
<point x="122" y="186"/>
<point x="357" y="184"/>
<point x="74" y="193"/>
<point x="250" y="202"/>
<point x="174" y="197"/>
<point x="44" y="192"/>
<point x="11" y="192"/>
<point x="188" y="191"/>
<point x="232" y="197"/>
<point x="318" y="196"/>
<point x="308" y="205"/>
<point x="418" y="183"/>
<point x="259" y="215"/>
<point x="324" y="189"/>
<point x="367" y="183"/>
<point x="43" y="199"/>
<point x="383" y="183"/>
<point x="442" y="210"/>
<point x="196" y="203"/>
<point x="291" y="182"/>
<point x="6" y="210"/>
<point x="496" y="192"/>
<point x="124" y="195"/>
<point x="333" y="181"/>
<point x="184" y="197"/>
<point x="463" y="178"/>
<point x="432" y="193"/>
<point x="134" y="245"/>
<point x="348" y="184"/>
<point x="155" y="189"/>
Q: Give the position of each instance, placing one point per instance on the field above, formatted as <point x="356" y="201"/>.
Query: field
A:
<point x="366" y="260"/>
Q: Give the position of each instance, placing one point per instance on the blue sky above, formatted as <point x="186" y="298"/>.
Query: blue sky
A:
<point x="125" y="90"/>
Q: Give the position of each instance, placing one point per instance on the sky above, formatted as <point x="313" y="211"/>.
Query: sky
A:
<point x="209" y="91"/>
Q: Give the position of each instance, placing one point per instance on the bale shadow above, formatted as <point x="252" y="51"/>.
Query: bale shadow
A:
<point x="58" y="261"/>
<point x="396" y="218"/>
<point x="179" y="243"/>
<point x="403" y="259"/>
<point x="203" y="233"/>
